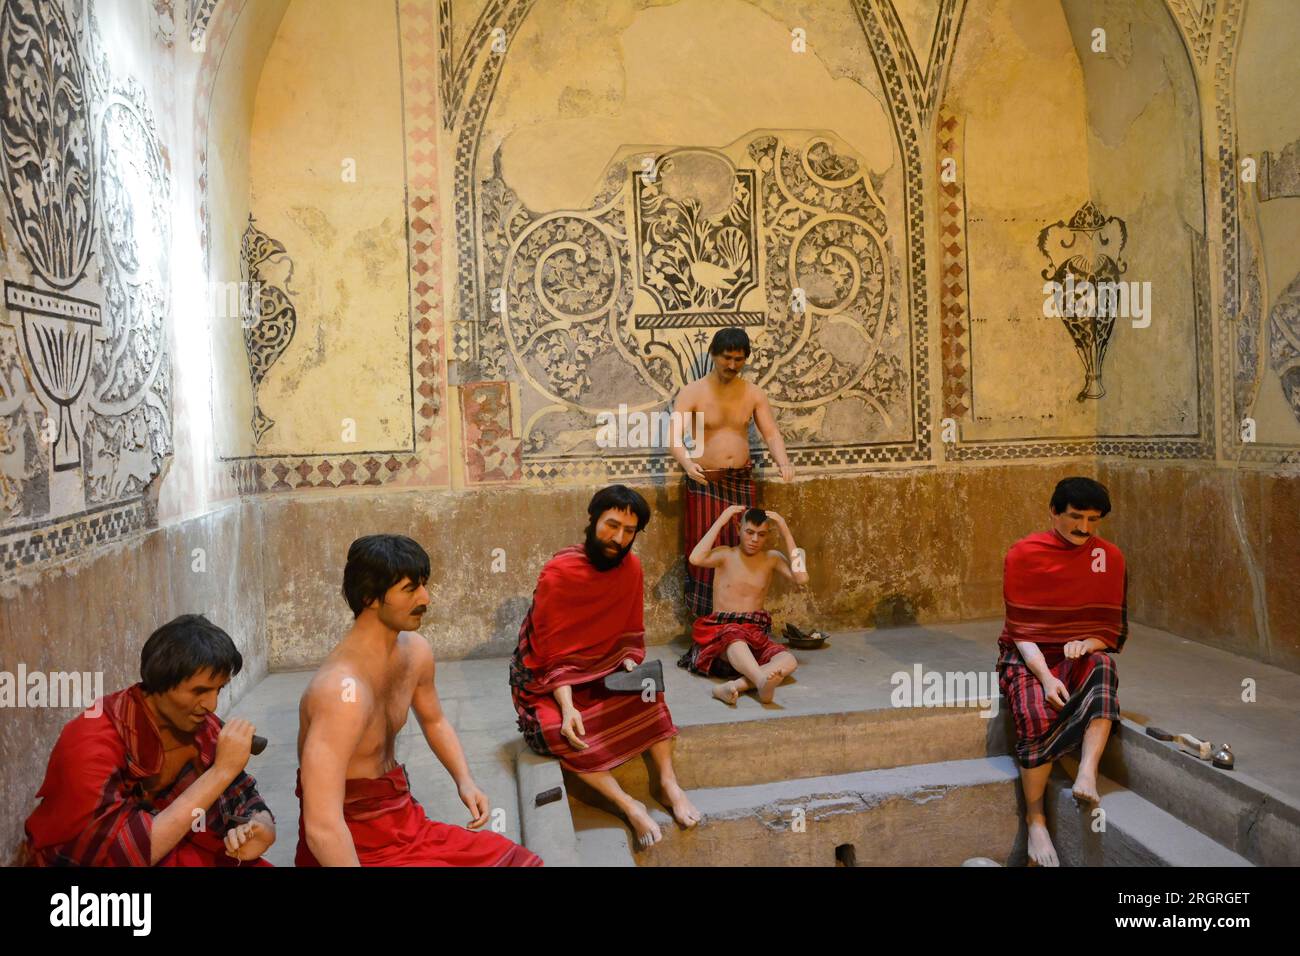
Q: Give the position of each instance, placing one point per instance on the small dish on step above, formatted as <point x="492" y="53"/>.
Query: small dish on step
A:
<point x="805" y="642"/>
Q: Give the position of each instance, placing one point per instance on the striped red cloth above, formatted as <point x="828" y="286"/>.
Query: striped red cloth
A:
<point x="390" y="828"/>
<point x="726" y="487"/>
<point x="1044" y="733"/>
<point x="712" y="635"/>
<point x="1057" y="591"/>
<point x="582" y="625"/>
<point x="94" y="810"/>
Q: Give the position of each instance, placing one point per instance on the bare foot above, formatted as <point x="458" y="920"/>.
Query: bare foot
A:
<point x="1041" y="850"/>
<point x="728" y="693"/>
<point x="647" y="831"/>
<point x="1085" y="789"/>
<point x="684" y="811"/>
<point x="771" y="681"/>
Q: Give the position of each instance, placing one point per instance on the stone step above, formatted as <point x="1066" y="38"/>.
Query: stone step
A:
<point x="922" y="815"/>
<point x="736" y="753"/>
<point x="938" y="814"/>
<point x="1235" y="809"/>
<point x="1127" y="829"/>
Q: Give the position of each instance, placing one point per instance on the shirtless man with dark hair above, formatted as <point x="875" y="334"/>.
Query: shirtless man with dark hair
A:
<point x="736" y="639"/>
<point x="357" y="807"/>
<point x="721" y="474"/>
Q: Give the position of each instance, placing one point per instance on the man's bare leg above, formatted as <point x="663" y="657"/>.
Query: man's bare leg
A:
<point x="762" y="679"/>
<point x="1094" y="742"/>
<point x="777" y="670"/>
<point x="1033" y="781"/>
<point x="670" y="792"/>
<point x="603" y="782"/>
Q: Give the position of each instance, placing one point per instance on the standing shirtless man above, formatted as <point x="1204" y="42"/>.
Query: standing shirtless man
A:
<point x="722" y="473"/>
<point x="357" y="808"/>
<point x="736" y="639"/>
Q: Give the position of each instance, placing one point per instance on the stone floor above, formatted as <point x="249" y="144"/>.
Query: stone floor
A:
<point x="1165" y="680"/>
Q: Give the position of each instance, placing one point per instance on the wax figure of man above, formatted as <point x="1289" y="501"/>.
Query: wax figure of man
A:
<point x="1066" y="615"/>
<point x="586" y="622"/>
<point x="356" y="801"/>
<point x="735" y="641"/>
<point x="154" y="778"/>
<point x="721" y="473"/>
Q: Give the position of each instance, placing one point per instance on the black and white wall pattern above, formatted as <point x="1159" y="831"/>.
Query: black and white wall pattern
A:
<point x="85" y="374"/>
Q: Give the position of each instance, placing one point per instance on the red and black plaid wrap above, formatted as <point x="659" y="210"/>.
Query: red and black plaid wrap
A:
<point x="582" y="625"/>
<point x="94" y="810"/>
<point x="1044" y="733"/>
<point x="713" y="634"/>
<point x="704" y="502"/>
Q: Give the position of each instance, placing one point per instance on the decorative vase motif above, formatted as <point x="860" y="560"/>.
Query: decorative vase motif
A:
<point x="48" y="172"/>
<point x="1084" y="257"/>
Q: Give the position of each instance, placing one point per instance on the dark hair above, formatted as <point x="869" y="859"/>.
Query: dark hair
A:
<point x="378" y="561"/>
<point x="729" y="340"/>
<point x="754" y="516"/>
<point x="1082" y="493"/>
<point x="181" y="648"/>
<point x="622" y="498"/>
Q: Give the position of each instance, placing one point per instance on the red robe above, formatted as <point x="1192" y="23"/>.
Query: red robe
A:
<point x="94" y="811"/>
<point x="582" y="625"/>
<point x="389" y="828"/>
<point x="1057" y="591"/>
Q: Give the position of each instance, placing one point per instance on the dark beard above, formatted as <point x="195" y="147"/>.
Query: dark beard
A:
<point x="597" y="554"/>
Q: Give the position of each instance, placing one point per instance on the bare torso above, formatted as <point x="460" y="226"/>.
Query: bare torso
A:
<point x="727" y="410"/>
<point x="384" y="687"/>
<point x="175" y="756"/>
<point x="741" y="582"/>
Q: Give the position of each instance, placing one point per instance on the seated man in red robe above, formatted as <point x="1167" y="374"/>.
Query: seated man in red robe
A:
<point x="1066" y="614"/>
<point x="586" y="622"/>
<point x="150" y="776"/>
<point x="735" y="641"/>
<point x="356" y="802"/>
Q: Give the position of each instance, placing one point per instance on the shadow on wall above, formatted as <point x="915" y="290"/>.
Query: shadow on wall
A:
<point x="899" y="610"/>
<point x="506" y="619"/>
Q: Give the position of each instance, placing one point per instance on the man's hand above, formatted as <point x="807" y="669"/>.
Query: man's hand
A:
<point x="780" y="522"/>
<point x="695" y="471"/>
<point x="629" y="664"/>
<point x="1054" y="692"/>
<point x="732" y="510"/>
<point x="787" y="472"/>
<point x="477" y="802"/>
<point x="571" y="729"/>
<point x="234" y="744"/>
<point x="248" y="841"/>
<point x="1077" y="649"/>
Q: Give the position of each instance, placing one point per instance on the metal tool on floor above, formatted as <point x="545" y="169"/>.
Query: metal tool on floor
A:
<point x="1223" y="758"/>
<point x="1195" y="746"/>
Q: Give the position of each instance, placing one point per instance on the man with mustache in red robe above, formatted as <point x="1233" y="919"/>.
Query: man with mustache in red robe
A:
<point x="357" y="807"/>
<point x="149" y="776"/>
<point x="585" y="623"/>
<point x="1066" y="616"/>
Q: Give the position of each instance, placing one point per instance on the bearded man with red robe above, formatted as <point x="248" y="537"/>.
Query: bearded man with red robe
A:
<point x="1066" y="615"/>
<point x="149" y="775"/>
<point x="586" y="622"/>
